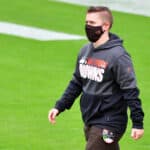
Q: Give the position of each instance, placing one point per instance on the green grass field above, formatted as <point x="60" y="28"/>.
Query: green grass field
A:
<point x="34" y="74"/>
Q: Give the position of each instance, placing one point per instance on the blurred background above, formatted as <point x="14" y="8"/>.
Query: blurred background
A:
<point x="129" y="6"/>
<point x="39" y="43"/>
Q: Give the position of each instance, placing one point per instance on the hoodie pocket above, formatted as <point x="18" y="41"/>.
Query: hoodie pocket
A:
<point x="114" y="108"/>
<point x="90" y="105"/>
<point x="106" y="103"/>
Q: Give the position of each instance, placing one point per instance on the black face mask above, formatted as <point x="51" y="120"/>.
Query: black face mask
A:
<point x="93" y="33"/>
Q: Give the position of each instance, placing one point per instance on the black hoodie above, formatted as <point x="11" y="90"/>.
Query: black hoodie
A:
<point x="106" y="79"/>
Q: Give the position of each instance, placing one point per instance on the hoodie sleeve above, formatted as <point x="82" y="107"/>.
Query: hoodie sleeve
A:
<point x="72" y="91"/>
<point x="125" y="78"/>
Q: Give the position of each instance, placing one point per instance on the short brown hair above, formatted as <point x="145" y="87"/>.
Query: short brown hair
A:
<point x="105" y="13"/>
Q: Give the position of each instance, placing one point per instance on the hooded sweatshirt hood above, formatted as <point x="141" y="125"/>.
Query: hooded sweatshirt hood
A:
<point x="113" y="41"/>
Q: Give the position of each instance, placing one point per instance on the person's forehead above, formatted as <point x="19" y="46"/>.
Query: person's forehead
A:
<point x="93" y="16"/>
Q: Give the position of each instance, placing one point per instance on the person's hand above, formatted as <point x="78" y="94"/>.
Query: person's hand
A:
<point x="137" y="133"/>
<point x="52" y="115"/>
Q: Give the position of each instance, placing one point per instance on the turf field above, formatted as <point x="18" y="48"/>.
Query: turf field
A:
<point x="33" y="75"/>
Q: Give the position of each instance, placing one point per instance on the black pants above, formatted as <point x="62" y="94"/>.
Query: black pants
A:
<point x="94" y="140"/>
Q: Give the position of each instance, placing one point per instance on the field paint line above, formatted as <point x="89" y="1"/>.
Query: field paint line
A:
<point x="140" y="7"/>
<point x="35" y="33"/>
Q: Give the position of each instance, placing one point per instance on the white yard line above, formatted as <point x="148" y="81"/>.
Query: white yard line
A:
<point x="35" y="33"/>
<point x="141" y="7"/>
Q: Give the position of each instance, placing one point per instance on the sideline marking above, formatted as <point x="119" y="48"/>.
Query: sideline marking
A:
<point x="35" y="33"/>
<point x="139" y="7"/>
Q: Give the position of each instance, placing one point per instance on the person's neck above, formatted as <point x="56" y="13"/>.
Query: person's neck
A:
<point x="103" y="39"/>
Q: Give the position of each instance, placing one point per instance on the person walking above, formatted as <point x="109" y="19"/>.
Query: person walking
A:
<point x="104" y="77"/>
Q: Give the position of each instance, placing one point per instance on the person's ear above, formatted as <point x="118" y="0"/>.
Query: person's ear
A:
<point x="106" y="26"/>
